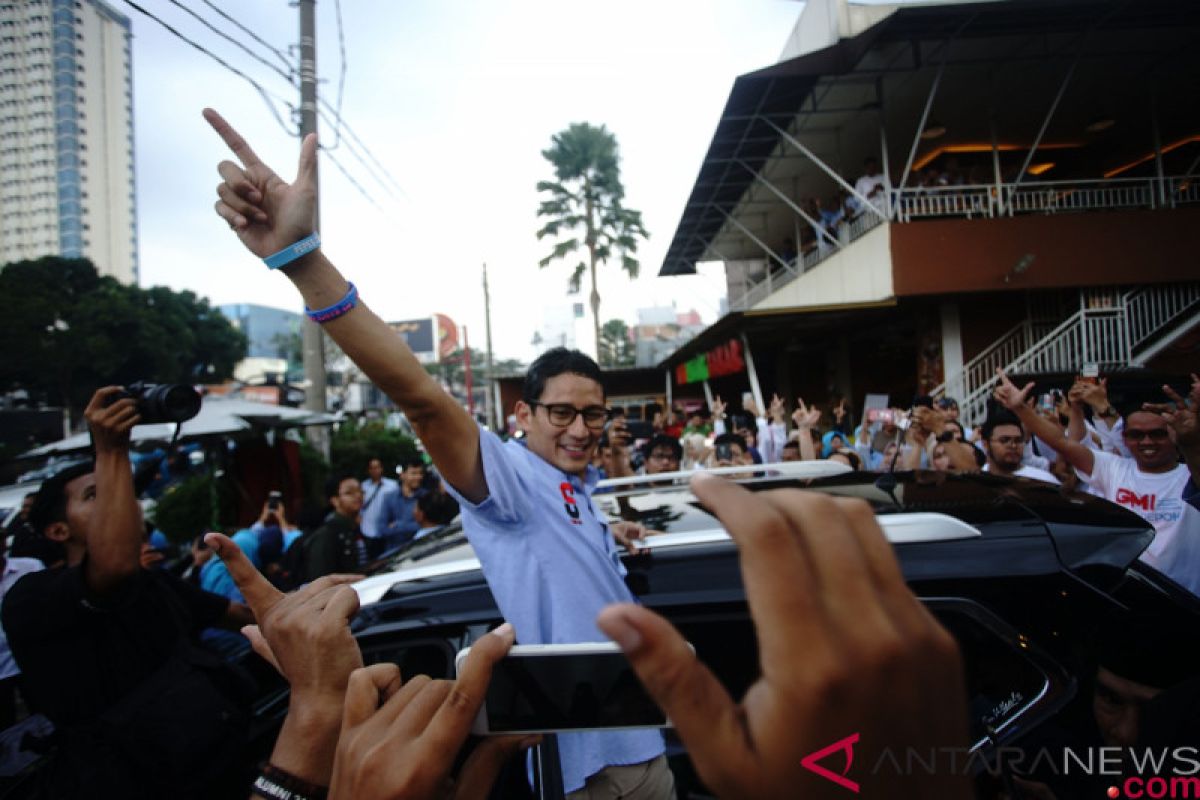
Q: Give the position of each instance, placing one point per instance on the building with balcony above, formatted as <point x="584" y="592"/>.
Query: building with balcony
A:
<point x="66" y="134"/>
<point x="1038" y="201"/>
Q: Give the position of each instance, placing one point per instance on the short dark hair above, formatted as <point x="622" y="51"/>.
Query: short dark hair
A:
<point x="791" y="444"/>
<point x="50" y="506"/>
<point x="554" y="362"/>
<point x="731" y="438"/>
<point x="333" y="485"/>
<point x="412" y="461"/>
<point x="998" y="418"/>
<point x="439" y="508"/>
<point x="662" y="440"/>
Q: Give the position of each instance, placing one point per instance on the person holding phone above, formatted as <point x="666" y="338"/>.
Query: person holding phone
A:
<point x="547" y="553"/>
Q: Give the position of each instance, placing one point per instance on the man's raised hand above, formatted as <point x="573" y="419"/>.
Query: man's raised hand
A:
<point x="717" y="408"/>
<point x="111" y="415"/>
<point x="848" y="656"/>
<point x="1180" y="414"/>
<point x="267" y="213"/>
<point x="1008" y="395"/>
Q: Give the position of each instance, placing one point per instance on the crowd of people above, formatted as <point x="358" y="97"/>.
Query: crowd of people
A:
<point x="157" y="710"/>
<point x="1146" y="458"/>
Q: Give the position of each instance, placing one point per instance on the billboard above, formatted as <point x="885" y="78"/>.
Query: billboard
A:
<point x="431" y="338"/>
<point x="420" y="337"/>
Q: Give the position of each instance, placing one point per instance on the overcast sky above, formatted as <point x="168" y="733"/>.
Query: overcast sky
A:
<point x="456" y="98"/>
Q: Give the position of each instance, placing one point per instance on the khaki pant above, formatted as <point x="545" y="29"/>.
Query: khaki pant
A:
<point x="650" y="780"/>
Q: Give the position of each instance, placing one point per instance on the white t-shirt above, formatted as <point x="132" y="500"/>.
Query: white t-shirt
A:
<point x="14" y="570"/>
<point x="1027" y="471"/>
<point x="1156" y="497"/>
<point x="864" y="186"/>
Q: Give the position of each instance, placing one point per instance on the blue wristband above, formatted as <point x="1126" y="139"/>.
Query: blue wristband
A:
<point x="343" y="306"/>
<point x="289" y="254"/>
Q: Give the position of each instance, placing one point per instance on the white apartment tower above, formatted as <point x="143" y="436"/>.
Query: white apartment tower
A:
<point x="66" y="134"/>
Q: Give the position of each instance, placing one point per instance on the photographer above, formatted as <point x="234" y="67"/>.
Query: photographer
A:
<point x="151" y="713"/>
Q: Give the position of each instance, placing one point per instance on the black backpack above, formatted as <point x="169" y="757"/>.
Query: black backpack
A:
<point x="294" y="564"/>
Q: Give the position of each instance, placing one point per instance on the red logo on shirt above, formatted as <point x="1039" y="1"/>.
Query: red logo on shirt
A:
<point x="568" y="495"/>
<point x="1134" y="500"/>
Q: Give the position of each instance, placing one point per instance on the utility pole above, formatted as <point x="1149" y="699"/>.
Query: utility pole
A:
<point x="489" y="405"/>
<point x="314" y="339"/>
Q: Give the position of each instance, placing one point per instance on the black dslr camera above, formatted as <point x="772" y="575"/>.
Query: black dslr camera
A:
<point x="162" y="402"/>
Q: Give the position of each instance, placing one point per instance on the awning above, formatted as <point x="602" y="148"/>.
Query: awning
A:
<point x="218" y="416"/>
<point x="1003" y="59"/>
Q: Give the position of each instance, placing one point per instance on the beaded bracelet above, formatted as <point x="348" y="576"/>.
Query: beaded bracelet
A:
<point x="294" y="251"/>
<point x="343" y="306"/>
<point x="276" y="784"/>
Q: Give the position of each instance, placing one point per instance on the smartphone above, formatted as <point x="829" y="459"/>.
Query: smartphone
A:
<point x="564" y="687"/>
<point x="1090" y="373"/>
<point x="274" y="499"/>
<point x="724" y="452"/>
<point x="1047" y="402"/>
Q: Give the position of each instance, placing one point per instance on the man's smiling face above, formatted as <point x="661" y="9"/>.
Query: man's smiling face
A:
<point x="1149" y="440"/>
<point x="568" y="447"/>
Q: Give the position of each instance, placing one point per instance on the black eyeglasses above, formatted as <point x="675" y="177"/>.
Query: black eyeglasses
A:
<point x="1156" y="435"/>
<point x="563" y="414"/>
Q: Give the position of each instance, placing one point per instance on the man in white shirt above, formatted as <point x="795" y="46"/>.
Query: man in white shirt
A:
<point x="1151" y="484"/>
<point x="375" y="488"/>
<point x="1004" y="445"/>
<point x="11" y="570"/>
<point x="870" y="186"/>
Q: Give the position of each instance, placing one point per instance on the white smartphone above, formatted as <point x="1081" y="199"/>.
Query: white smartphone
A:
<point x="547" y="688"/>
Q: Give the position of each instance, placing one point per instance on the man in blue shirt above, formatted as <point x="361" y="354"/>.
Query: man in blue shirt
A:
<point x="400" y="523"/>
<point x="373" y="517"/>
<point x="546" y="552"/>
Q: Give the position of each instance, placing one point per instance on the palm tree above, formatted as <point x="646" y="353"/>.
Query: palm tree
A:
<point x="586" y="197"/>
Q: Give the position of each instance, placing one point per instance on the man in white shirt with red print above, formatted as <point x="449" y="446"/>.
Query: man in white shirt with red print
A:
<point x="1150" y="484"/>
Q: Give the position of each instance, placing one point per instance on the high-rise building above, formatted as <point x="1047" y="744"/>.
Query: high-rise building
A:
<point x="66" y="134"/>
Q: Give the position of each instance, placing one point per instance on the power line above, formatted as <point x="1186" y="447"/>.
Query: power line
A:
<point x="338" y="122"/>
<point x="288" y="64"/>
<point x="337" y="133"/>
<point x="373" y="172"/>
<point x="352" y="136"/>
<point x="266" y="96"/>
<point x="287" y="77"/>
<point x="375" y="168"/>
<point x="353" y="182"/>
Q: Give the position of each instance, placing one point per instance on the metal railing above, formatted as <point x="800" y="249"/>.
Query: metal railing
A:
<point x="982" y="367"/>
<point x="1042" y="197"/>
<point x="988" y="201"/>
<point x="779" y="277"/>
<point x="944" y="201"/>
<point x="1151" y="308"/>
<point x="1109" y="330"/>
<point x="1182" y="191"/>
<point x="1087" y="336"/>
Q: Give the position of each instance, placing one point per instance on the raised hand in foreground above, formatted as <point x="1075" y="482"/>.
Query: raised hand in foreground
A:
<point x="851" y="660"/>
<point x="267" y="213"/>
<point x="306" y="636"/>
<point x="400" y="740"/>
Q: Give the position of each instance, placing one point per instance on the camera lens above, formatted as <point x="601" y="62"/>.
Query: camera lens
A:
<point x="167" y="402"/>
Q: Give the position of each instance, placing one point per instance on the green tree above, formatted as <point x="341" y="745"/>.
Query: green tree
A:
<point x="70" y="330"/>
<point x="615" y="348"/>
<point x="354" y="444"/>
<point x="586" y="198"/>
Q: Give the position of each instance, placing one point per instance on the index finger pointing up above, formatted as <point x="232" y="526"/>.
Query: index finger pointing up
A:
<point x="259" y="593"/>
<point x="232" y="138"/>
